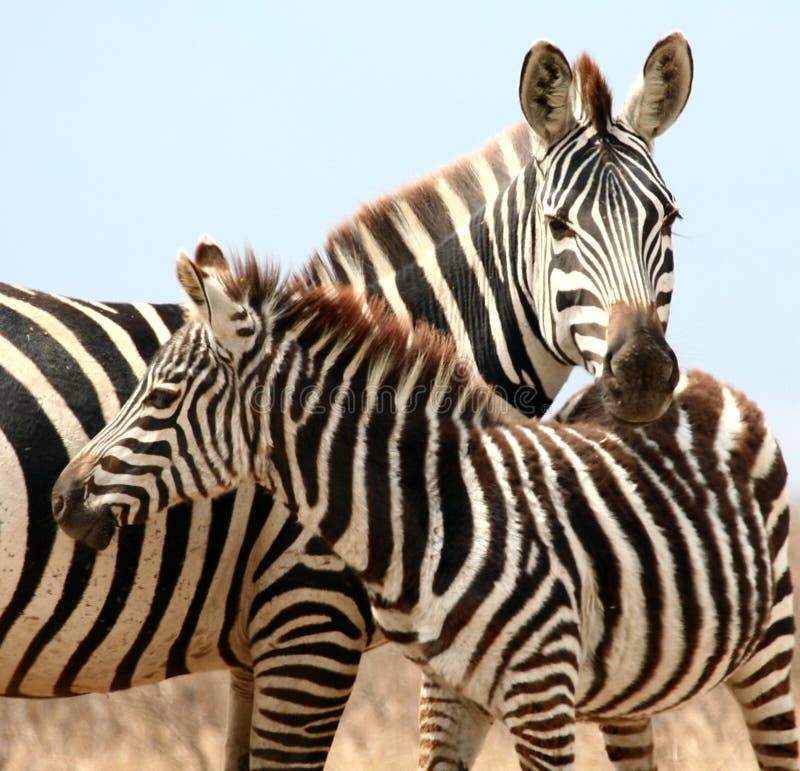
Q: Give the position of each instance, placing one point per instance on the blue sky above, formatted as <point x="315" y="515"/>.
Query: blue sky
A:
<point x="127" y="130"/>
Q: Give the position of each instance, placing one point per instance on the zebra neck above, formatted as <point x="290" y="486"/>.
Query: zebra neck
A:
<point x="476" y="286"/>
<point x="351" y="454"/>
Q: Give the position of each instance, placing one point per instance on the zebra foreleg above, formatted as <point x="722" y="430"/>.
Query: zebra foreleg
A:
<point x="762" y="685"/>
<point x="240" y="709"/>
<point x="452" y="729"/>
<point x="629" y="745"/>
<point x="543" y="730"/>
<point x="309" y="623"/>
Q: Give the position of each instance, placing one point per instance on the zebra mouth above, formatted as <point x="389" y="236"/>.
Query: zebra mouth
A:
<point x="640" y="370"/>
<point x="100" y="532"/>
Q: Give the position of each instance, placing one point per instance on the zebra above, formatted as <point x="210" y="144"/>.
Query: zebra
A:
<point x="569" y="263"/>
<point x="437" y="207"/>
<point x="539" y="572"/>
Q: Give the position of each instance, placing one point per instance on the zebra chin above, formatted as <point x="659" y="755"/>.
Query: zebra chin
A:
<point x="95" y="526"/>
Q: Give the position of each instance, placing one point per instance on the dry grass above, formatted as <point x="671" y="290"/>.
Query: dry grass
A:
<point x="179" y="725"/>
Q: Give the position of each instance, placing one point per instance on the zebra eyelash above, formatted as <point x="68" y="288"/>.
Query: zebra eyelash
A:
<point x="669" y="220"/>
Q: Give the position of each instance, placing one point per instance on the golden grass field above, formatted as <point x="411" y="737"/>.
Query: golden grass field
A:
<point x="180" y="725"/>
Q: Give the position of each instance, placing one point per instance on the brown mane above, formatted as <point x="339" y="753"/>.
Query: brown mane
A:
<point x="395" y="341"/>
<point x="254" y="283"/>
<point x="595" y="93"/>
<point x="345" y="312"/>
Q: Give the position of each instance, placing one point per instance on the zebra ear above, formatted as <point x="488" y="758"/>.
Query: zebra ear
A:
<point x="661" y="92"/>
<point x="200" y="279"/>
<point x="546" y="91"/>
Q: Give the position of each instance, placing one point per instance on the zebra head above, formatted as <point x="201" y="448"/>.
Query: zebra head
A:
<point x="601" y="218"/>
<point x="180" y="435"/>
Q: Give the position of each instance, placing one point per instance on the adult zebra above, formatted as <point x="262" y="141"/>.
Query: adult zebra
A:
<point x="568" y="264"/>
<point x="540" y="572"/>
<point x="439" y="205"/>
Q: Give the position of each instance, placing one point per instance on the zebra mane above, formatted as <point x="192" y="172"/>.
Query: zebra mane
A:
<point x="346" y="256"/>
<point x="398" y="352"/>
<point x="595" y="92"/>
<point x="263" y="286"/>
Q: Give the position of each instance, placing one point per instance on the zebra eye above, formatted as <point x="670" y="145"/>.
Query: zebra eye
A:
<point x="161" y="398"/>
<point x="559" y="228"/>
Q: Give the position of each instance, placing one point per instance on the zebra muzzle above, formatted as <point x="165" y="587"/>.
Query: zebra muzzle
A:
<point x="640" y="370"/>
<point x="92" y="525"/>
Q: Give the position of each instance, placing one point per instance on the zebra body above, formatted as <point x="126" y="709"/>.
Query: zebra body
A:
<point x="545" y="573"/>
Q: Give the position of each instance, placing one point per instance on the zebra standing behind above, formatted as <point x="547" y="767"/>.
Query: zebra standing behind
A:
<point x="567" y="264"/>
<point x="542" y="572"/>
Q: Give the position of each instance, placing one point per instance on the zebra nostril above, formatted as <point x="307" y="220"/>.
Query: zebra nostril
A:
<point x="58" y="505"/>
<point x="607" y="363"/>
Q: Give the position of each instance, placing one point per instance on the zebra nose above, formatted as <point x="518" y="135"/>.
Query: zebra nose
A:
<point x="640" y="370"/>
<point x="643" y="362"/>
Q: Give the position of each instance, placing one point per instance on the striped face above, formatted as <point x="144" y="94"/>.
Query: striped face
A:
<point x="171" y="442"/>
<point x="604" y="224"/>
<point x="601" y="278"/>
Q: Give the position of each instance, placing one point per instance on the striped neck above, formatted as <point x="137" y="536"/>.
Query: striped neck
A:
<point x="476" y="286"/>
<point x="396" y="404"/>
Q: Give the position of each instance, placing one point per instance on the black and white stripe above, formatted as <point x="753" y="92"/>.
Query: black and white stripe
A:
<point x="387" y="244"/>
<point x="543" y="572"/>
<point x="265" y="595"/>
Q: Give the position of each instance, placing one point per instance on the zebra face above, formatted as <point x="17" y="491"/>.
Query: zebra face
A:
<point x="603" y="269"/>
<point x="607" y="266"/>
<point x="168" y="440"/>
<point x="179" y="437"/>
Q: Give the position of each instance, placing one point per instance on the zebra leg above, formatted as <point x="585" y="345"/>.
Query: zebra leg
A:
<point x="452" y="729"/>
<point x="303" y="679"/>
<point x="762" y="686"/>
<point x="309" y="623"/>
<point x="240" y="709"/>
<point x="629" y="745"/>
<point x="544" y="736"/>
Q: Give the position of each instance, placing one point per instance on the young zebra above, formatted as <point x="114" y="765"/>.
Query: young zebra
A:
<point x="542" y="572"/>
